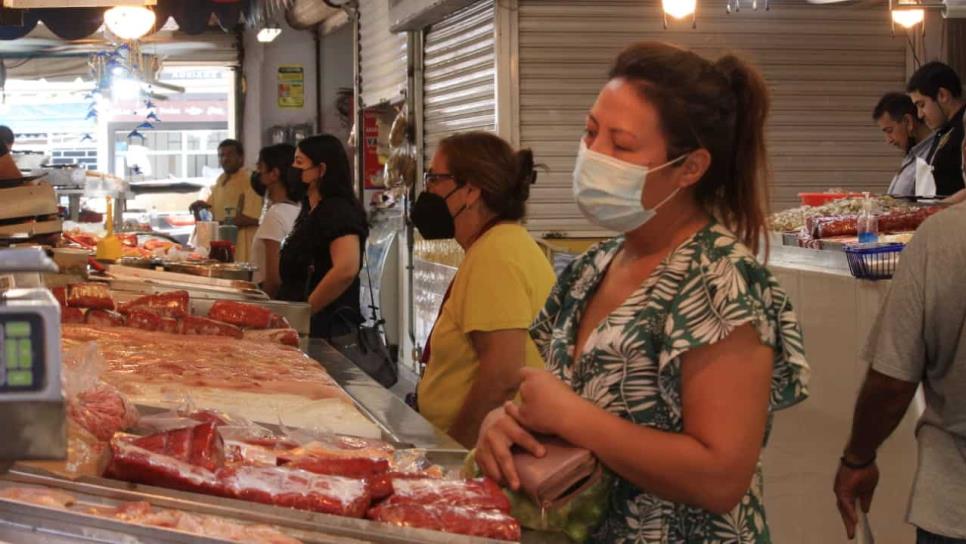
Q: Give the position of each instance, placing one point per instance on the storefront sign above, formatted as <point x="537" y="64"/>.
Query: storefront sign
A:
<point x="372" y="168"/>
<point x="291" y="86"/>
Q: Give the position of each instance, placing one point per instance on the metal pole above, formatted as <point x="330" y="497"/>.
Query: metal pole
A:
<point x="356" y="15"/>
<point x="416" y="68"/>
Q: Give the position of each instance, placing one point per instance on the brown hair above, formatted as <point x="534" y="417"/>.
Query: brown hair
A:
<point x="721" y="107"/>
<point x="489" y="163"/>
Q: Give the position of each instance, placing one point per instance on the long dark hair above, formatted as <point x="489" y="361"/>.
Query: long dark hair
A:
<point x="279" y="157"/>
<point x="337" y="179"/>
<point x="719" y="106"/>
<point x="488" y="162"/>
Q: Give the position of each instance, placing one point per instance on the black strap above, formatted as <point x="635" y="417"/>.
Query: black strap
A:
<point x="376" y="320"/>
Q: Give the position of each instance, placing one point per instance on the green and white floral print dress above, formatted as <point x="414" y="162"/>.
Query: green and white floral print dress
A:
<point x="631" y="365"/>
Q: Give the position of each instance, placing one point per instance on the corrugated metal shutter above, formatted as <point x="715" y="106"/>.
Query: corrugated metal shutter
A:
<point x="459" y="85"/>
<point x="826" y="67"/>
<point x="382" y="55"/>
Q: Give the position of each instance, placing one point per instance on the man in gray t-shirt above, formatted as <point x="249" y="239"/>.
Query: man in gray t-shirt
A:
<point x="919" y="338"/>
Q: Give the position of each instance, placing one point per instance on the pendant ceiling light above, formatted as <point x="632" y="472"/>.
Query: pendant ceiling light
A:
<point x="129" y="22"/>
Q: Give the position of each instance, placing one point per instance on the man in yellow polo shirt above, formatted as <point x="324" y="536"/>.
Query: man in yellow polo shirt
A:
<point x="233" y="190"/>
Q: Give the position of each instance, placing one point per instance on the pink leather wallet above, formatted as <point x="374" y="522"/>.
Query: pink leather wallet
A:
<point x="562" y="473"/>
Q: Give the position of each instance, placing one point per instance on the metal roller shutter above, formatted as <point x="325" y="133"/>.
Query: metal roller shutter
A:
<point x="382" y="55"/>
<point x="826" y="67"/>
<point x="459" y="92"/>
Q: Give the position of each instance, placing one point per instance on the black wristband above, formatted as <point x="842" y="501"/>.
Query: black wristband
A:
<point x="857" y="466"/>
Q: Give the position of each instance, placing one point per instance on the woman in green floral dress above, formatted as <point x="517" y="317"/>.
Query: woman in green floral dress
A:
<point x="668" y="348"/>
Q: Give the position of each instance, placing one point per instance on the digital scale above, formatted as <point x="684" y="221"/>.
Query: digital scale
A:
<point x="31" y="397"/>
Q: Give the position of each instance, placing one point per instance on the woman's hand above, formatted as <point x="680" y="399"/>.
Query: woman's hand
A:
<point x="547" y="405"/>
<point x="498" y="433"/>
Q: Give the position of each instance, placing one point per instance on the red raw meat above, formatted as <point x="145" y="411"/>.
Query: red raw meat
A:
<point x="144" y="319"/>
<point x="481" y="494"/>
<point x="60" y="293"/>
<point x="449" y="518"/>
<point x="287" y="337"/>
<point x="106" y="318"/>
<point x="374" y="471"/>
<point x="170" y="325"/>
<point x="102" y="411"/>
<point x="247" y="316"/>
<point x="208" y="327"/>
<point x="170" y="304"/>
<point x="297" y="489"/>
<point x="138" y="465"/>
<point x="71" y="315"/>
<point x="90" y="295"/>
<point x="200" y="445"/>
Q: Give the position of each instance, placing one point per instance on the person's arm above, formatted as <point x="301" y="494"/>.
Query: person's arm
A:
<point x="955" y="198"/>
<point x="882" y="403"/>
<point x="346" y="259"/>
<point x="8" y="168"/>
<point x="725" y="393"/>
<point x="501" y="355"/>
<point x="272" y="279"/>
<point x="240" y="219"/>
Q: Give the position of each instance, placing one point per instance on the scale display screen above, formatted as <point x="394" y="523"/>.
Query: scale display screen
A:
<point x="22" y="353"/>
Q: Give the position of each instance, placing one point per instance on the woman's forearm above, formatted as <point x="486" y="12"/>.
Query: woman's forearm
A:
<point x="331" y="287"/>
<point x="674" y="466"/>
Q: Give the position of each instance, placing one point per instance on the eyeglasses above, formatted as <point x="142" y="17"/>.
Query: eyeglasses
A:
<point x="432" y="178"/>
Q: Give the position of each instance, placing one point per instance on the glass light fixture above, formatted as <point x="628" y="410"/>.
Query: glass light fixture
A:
<point x="908" y="18"/>
<point x="268" y="34"/>
<point x="679" y="9"/>
<point x="129" y="22"/>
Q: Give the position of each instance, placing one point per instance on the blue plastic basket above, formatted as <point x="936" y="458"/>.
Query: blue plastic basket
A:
<point x="873" y="261"/>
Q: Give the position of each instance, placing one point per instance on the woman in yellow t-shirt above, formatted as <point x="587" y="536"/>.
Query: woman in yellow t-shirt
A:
<point x="476" y="192"/>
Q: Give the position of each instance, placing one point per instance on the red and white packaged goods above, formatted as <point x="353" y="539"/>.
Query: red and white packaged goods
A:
<point x="115" y="352"/>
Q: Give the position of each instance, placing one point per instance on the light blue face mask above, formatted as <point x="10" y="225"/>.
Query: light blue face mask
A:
<point x="608" y="190"/>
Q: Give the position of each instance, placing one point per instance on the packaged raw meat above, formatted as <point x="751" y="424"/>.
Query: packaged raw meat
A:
<point x="448" y="518"/>
<point x="286" y="337"/>
<point x="246" y="316"/>
<point x="86" y="454"/>
<point x="480" y="494"/>
<point x="299" y="489"/>
<point x="71" y="315"/>
<point x="170" y="325"/>
<point x="170" y="304"/>
<point x="131" y="463"/>
<point x="208" y="327"/>
<point x="39" y="496"/>
<point x="200" y="445"/>
<point x="143" y="318"/>
<point x="90" y="295"/>
<point x="142" y="513"/>
<point x="357" y="467"/>
<point x="60" y="293"/>
<point x="105" y="318"/>
<point x="96" y="406"/>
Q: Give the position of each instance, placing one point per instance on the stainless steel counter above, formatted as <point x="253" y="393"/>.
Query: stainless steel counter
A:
<point x="402" y="425"/>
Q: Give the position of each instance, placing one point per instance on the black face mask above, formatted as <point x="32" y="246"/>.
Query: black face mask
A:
<point x="431" y="216"/>
<point x="256" y="183"/>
